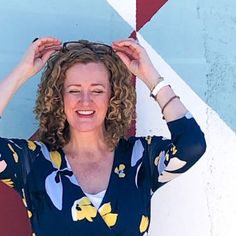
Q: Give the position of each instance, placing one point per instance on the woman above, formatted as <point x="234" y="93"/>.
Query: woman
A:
<point x="83" y="177"/>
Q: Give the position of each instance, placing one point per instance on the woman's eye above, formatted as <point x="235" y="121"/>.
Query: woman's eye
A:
<point x="74" y="91"/>
<point x="97" y="91"/>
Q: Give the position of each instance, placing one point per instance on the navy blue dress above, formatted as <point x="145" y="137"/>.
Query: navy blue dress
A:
<point x="57" y="205"/>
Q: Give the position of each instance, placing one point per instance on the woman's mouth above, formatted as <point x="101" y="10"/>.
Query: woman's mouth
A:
<point x="85" y="113"/>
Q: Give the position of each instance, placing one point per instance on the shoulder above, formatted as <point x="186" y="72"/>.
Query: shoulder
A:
<point x="10" y="143"/>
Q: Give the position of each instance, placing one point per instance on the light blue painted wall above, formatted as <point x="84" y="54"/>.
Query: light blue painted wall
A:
<point x="198" y="39"/>
<point x="22" y="21"/>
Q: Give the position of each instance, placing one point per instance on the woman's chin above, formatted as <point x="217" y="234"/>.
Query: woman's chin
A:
<point x="87" y="129"/>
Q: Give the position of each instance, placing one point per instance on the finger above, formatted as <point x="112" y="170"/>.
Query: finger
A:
<point x="124" y="58"/>
<point x="45" y="50"/>
<point x="132" y="48"/>
<point x="45" y="41"/>
<point x="40" y="49"/>
<point x="47" y="55"/>
<point x="128" y="43"/>
<point x="131" y="52"/>
<point x="127" y="50"/>
<point x="48" y="46"/>
<point x="123" y="40"/>
<point x="40" y="61"/>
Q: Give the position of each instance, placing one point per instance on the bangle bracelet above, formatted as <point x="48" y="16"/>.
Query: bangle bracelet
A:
<point x="158" y="87"/>
<point x="167" y="103"/>
<point x="160" y="80"/>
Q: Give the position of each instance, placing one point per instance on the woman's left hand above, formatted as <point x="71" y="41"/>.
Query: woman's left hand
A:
<point x="137" y="60"/>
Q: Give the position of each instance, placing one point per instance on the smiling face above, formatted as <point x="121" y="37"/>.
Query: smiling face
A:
<point x="86" y="97"/>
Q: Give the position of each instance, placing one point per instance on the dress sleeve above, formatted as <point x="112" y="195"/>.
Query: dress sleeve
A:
<point x="16" y="159"/>
<point x="170" y="158"/>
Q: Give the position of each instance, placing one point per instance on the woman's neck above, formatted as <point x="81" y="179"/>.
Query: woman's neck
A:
<point x="86" y="143"/>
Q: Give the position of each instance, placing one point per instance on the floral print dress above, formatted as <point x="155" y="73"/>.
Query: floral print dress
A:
<point x="57" y="205"/>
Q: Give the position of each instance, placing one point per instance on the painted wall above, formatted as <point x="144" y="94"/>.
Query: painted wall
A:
<point x="192" y="43"/>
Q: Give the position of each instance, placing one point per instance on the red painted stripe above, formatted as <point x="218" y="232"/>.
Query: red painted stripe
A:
<point x="145" y="10"/>
<point x="132" y="130"/>
<point x="133" y="35"/>
<point x="13" y="216"/>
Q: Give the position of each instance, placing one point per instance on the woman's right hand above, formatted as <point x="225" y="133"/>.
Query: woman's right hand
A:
<point x="36" y="56"/>
<point x="32" y="62"/>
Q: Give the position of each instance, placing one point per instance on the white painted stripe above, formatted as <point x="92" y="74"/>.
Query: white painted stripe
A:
<point x="126" y="9"/>
<point x="205" y="196"/>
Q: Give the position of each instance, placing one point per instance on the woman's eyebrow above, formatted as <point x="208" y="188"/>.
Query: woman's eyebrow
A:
<point x="98" y="84"/>
<point x="73" y="85"/>
<point x="79" y="85"/>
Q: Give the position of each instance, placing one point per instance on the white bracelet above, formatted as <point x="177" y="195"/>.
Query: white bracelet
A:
<point x="157" y="88"/>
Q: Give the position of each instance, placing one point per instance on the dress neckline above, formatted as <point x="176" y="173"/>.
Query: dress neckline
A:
<point x="111" y="177"/>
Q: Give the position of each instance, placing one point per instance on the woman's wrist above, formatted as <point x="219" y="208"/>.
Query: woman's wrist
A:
<point x="19" y="75"/>
<point x="170" y="104"/>
<point x="152" y="80"/>
<point x="157" y="88"/>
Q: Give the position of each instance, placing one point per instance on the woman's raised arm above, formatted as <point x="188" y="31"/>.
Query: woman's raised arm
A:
<point x="32" y="62"/>
<point x="138" y="62"/>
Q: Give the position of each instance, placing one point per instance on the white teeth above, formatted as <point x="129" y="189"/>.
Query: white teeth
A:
<point x="85" y="112"/>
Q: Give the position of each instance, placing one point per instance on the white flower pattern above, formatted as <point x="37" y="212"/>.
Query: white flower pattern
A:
<point x="174" y="163"/>
<point x="137" y="152"/>
<point x="53" y="183"/>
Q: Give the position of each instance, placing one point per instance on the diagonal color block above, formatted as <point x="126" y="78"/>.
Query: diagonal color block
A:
<point x="126" y="9"/>
<point x="204" y="197"/>
<point x="146" y="9"/>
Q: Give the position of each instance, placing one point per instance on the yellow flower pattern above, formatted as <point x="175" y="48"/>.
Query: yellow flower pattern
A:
<point x="120" y="171"/>
<point x="109" y="217"/>
<point x="31" y="145"/>
<point x="8" y="182"/>
<point x="143" y="224"/>
<point x="167" y="163"/>
<point x="173" y="149"/>
<point x="83" y="209"/>
<point x="167" y="156"/>
<point x="157" y="159"/>
<point x="56" y="159"/>
<point x="15" y="156"/>
<point x="25" y="204"/>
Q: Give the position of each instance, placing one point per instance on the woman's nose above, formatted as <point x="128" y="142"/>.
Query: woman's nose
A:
<point x="85" y="98"/>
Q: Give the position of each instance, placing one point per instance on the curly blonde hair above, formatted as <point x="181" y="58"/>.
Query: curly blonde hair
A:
<point x="49" y="109"/>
